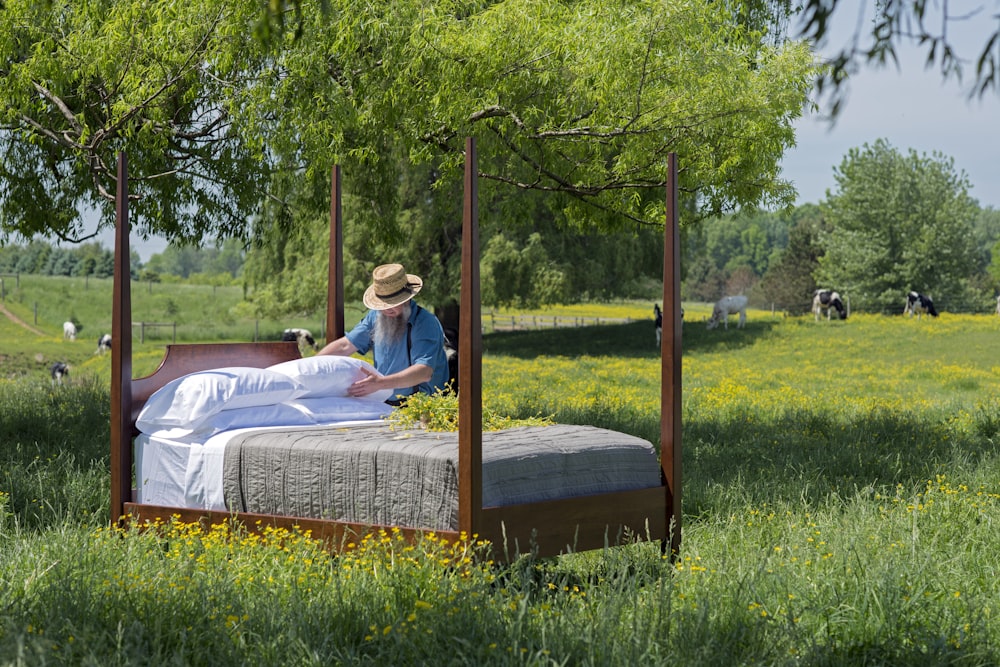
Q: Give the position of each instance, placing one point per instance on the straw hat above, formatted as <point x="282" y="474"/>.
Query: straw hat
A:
<point x="391" y="286"/>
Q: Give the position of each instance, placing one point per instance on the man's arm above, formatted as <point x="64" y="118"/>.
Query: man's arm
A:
<point x="342" y="347"/>
<point x="408" y="377"/>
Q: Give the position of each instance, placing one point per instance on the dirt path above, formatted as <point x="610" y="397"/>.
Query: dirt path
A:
<point x="18" y="321"/>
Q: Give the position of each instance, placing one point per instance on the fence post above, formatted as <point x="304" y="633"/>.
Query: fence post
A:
<point x="175" y="332"/>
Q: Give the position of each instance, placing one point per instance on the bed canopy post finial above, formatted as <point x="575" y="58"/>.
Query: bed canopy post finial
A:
<point x="470" y="364"/>
<point x="121" y="354"/>
<point x="670" y="359"/>
<point x="335" y="284"/>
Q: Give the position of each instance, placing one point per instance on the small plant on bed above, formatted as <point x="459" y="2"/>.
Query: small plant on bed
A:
<point x="439" y="412"/>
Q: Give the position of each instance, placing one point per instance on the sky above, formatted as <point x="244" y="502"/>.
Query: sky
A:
<point x="910" y="107"/>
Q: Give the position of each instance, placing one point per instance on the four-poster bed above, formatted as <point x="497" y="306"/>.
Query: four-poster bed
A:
<point x="617" y="493"/>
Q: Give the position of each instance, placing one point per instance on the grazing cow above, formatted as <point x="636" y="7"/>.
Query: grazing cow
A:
<point x="451" y="353"/>
<point x="658" y="316"/>
<point x="828" y="300"/>
<point x="301" y="336"/>
<point x="726" y="306"/>
<point x="103" y="344"/>
<point x="58" y="371"/>
<point x="998" y="305"/>
<point x="658" y="322"/>
<point x="919" y="304"/>
<point x="69" y="331"/>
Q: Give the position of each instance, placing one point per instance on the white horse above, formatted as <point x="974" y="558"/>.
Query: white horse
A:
<point x="726" y="306"/>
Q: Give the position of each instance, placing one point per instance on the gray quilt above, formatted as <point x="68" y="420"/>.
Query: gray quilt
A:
<point x="372" y="474"/>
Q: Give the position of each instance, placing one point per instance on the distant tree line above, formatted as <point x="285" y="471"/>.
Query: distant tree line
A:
<point x="39" y="257"/>
<point x="222" y="264"/>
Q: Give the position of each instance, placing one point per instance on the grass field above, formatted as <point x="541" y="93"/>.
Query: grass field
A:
<point x="841" y="503"/>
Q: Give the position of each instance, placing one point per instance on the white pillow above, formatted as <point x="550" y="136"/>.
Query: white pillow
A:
<point x="188" y="401"/>
<point x="328" y="375"/>
<point x="279" y="414"/>
<point x="329" y="409"/>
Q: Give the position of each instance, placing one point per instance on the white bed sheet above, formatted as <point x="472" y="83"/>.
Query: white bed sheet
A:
<point x="178" y="471"/>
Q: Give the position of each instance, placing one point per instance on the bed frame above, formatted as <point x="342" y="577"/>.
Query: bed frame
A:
<point x="544" y="528"/>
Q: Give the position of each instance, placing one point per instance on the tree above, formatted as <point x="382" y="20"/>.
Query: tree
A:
<point x="85" y="80"/>
<point x="178" y="260"/>
<point x="899" y="223"/>
<point x="579" y="106"/>
<point x="34" y="257"/>
<point x="789" y="282"/>
<point x="581" y="100"/>
<point x="888" y="23"/>
<point x="226" y="258"/>
<point x="994" y="268"/>
<point x="879" y="29"/>
<point x="729" y="254"/>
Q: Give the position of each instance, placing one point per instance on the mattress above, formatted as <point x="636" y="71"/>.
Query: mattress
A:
<point x="371" y="473"/>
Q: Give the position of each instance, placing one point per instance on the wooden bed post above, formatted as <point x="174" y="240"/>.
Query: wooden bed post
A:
<point x="470" y="359"/>
<point x="121" y="355"/>
<point x="335" y="286"/>
<point x="670" y="355"/>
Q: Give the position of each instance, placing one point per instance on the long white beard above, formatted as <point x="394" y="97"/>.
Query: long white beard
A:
<point x="389" y="330"/>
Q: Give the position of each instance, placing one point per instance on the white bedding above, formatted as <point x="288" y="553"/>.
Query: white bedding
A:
<point x="182" y="471"/>
<point x="285" y="441"/>
<point x="366" y="473"/>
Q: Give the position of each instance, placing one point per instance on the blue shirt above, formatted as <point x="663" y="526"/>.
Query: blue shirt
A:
<point x="425" y="340"/>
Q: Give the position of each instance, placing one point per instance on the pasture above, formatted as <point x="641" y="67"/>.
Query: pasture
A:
<point x="841" y="506"/>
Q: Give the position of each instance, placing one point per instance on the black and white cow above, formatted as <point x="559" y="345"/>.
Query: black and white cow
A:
<point x="69" y="330"/>
<point x="828" y="300"/>
<point x="58" y="371"/>
<point x="917" y="303"/>
<point x="658" y="322"/>
<point x="301" y="336"/>
<point x="658" y="317"/>
<point x="451" y="353"/>
<point x="103" y="344"/>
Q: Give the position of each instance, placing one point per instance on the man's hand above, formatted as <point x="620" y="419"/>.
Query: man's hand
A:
<point x="369" y="384"/>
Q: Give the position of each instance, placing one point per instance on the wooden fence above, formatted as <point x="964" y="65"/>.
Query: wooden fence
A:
<point x="154" y="326"/>
<point x="494" y="322"/>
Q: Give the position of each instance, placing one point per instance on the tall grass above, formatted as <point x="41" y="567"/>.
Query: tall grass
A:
<point x="841" y="499"/>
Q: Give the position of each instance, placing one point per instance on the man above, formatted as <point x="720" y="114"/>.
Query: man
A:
<point x="407" y="340"/>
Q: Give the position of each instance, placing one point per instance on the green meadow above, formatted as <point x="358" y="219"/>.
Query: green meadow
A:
<point x="841" y="502"/>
